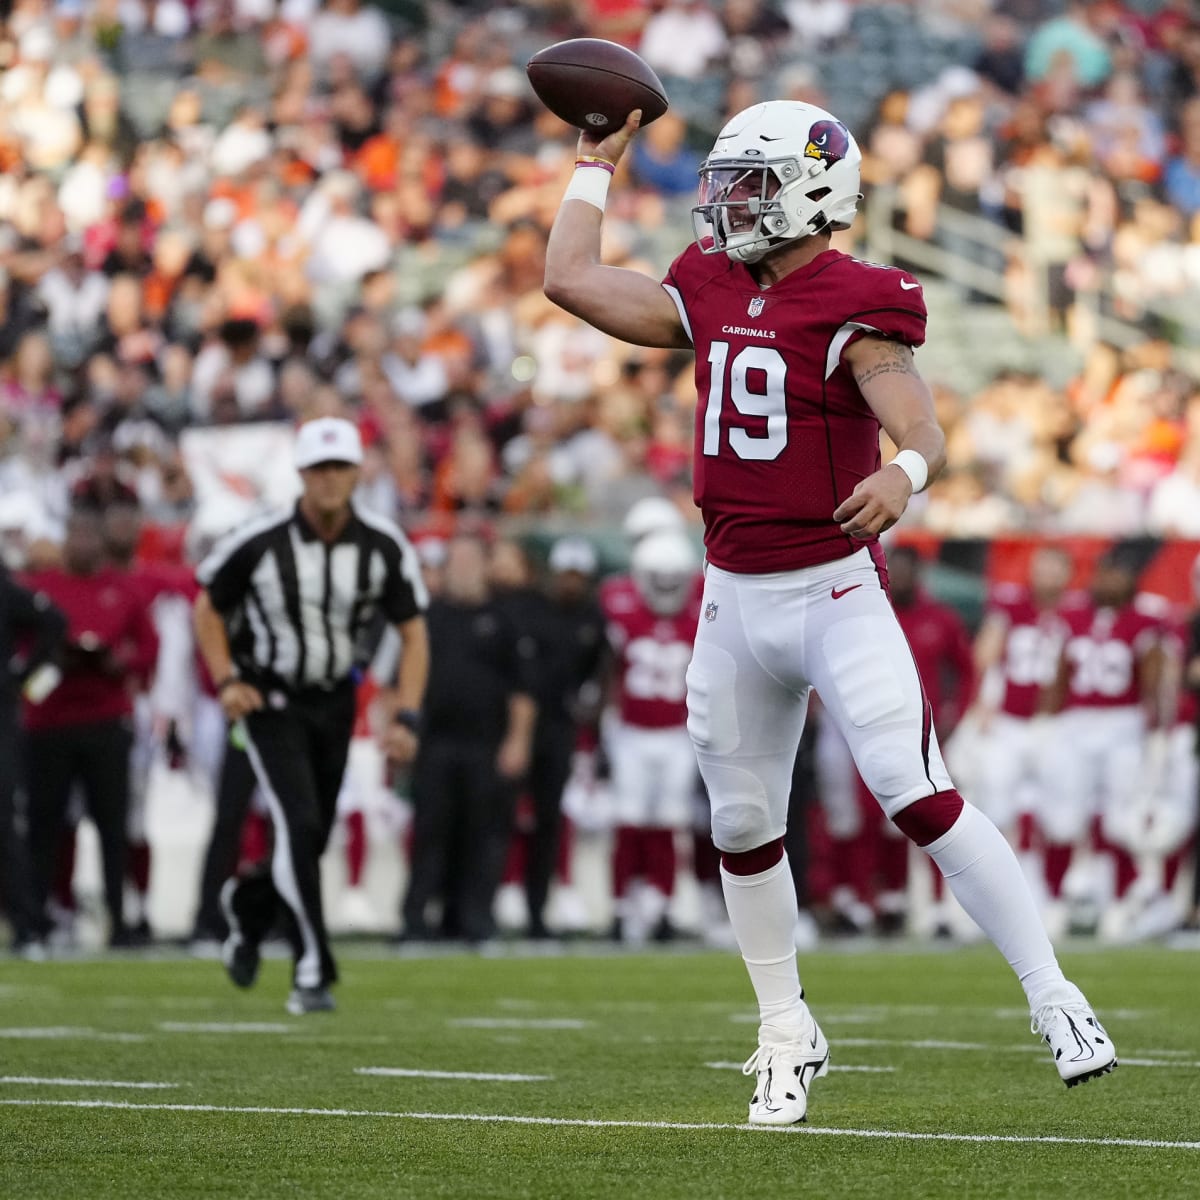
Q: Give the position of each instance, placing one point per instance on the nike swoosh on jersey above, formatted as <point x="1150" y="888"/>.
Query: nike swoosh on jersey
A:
<point x="837" y="596"/>
<point x="909" y="287"/>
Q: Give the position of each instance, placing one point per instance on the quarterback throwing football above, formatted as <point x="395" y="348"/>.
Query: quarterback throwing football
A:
<point x="802" y="353"/>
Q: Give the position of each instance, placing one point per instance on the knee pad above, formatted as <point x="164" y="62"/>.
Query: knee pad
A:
<point x="892" y="769"/>
<point x="741" y="816"/>
<point x="1063" y="824"/>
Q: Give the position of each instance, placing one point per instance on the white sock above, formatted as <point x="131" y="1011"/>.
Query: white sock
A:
<point x="986" y="879"/>
<point x="762" y="910"/>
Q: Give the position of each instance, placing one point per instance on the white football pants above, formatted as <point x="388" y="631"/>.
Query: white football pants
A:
<point x="764" y="642"/>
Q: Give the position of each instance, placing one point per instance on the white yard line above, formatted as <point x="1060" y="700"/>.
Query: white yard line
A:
<point x="1155" y="1062"/>
<point x="579" y="1122"/>
<point x="227" y="1027"/>
<point x="68" y="1032"/>
<point x="105" y="1083"/>
<point x="518" y="1023"/>
<point x="481" y="1076"/>
<point x="736" y="1066"/>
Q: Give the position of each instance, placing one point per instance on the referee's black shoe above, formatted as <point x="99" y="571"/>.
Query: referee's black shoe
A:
<point x="239" y="954"/>
<point x="310" y="1000"/>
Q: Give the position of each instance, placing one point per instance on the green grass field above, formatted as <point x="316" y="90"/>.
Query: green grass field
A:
<point x="942" y="1091"/>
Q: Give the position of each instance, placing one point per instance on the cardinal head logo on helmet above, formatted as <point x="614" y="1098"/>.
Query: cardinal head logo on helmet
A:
<point x="829" y="140"/>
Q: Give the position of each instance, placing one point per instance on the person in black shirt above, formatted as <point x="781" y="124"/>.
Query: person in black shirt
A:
<point x="476" y="739"/>
<point x="31" y="634"/>
<point x="287" y="604"/>
<point x="567" y="627"/>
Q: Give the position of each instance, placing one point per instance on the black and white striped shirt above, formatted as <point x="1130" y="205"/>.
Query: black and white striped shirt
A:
<point x="299" y="610"/>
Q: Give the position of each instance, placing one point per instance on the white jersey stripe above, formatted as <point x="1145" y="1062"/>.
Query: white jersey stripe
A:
<point x="840" y="339"/>
<point x="673" y="292"/>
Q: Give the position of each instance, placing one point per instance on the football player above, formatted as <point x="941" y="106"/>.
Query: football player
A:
<point x="1108" y="692"/>
<point x="802" y="354"/>
<point x="651" y="631"/>
<point x="166" y="591"/>
<point x="1016" y="658"/>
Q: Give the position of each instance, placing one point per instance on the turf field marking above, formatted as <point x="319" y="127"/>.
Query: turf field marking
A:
<point x="482" y="1076"/>
<point x="227" y="1027"/>
<point x="580" y="1122"/>
<point x="937" y="1044"/>
<point x="108" y="1083"/>
<point x="736" y="1066"/>
<point x="68" y="1032"/>
<point x="519" y="1023"/>
<point x="1156" y="1062"/>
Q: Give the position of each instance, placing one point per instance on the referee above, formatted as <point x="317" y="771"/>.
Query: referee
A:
<point x="286" y="606"/>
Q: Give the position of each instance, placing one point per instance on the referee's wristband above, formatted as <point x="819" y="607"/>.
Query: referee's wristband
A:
<point x="227" y="682"/>
<point x="410" y="718"/>
<point x="913" y="464"/>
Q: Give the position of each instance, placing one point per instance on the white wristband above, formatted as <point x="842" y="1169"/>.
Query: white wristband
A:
<point x="914" y="466"/>
<point x="589" y="184"/>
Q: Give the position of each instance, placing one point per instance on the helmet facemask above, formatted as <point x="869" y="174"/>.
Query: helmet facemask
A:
<point x="742" y="205"/>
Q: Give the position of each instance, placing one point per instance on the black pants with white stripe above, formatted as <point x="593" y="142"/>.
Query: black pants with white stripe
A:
<point x="235" y="790"/>
<point x="298" y="750"/>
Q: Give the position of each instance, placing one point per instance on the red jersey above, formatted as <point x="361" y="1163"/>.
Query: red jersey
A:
<point x="783" y="434"/>
<point x="153" y="580"/>
<point x="651" y="653"/>
<point x="364" y="697"/>
<point x="1102" y="651"/>
<point x="103" y="611"/>
<point x="942" y="650"/>
<point x="1033" y="642"/>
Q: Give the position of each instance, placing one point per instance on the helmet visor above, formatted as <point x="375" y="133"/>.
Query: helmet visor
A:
<point x="733" y="199"/>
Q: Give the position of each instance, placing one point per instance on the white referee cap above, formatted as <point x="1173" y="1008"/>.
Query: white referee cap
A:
<point x="573" y="554"/>
<point x="327" y="439"/>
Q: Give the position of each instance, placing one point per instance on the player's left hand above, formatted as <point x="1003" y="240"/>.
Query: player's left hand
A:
<point x="876" y="504"/>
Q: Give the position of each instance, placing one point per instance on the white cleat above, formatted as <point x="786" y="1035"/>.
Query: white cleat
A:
<point x="784" y="1072"/>
<point x="1081" y="1046"/>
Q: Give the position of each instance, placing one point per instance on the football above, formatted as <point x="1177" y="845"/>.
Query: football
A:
<point x="594" y="85"/>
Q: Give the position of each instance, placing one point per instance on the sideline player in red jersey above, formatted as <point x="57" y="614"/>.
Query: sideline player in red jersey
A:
<point x="166" y="592"/>
<point x="1108" y="691"/>
<point x="802" y="354"/>
<point x="651" y="629"/>
<point x="1016" y="660"/>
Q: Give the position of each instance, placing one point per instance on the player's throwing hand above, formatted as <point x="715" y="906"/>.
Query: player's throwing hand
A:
<point x="613" y="146"/>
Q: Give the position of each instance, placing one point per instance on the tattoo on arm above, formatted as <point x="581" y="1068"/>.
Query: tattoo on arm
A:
<point x="895" y="359"/>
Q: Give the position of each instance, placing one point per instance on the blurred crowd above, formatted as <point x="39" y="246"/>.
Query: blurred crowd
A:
<point x="226" y="211"/>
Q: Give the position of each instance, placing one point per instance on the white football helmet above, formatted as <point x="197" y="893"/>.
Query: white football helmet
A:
<point x="777" y="172"/>
<point x="664" y="566"/>
<point x="651" y="515"/>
